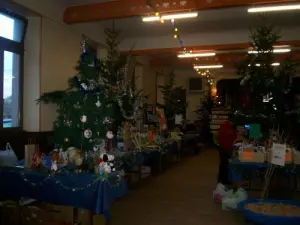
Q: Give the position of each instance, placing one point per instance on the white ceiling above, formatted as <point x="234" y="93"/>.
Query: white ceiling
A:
<point x="207" y="21"/>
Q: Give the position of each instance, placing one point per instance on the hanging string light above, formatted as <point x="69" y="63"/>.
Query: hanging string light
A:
<point x="208" y="75"/>
<point x="175" y="28"/>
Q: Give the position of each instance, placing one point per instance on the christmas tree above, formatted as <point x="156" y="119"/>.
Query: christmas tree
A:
<point x="267" y="81"/>
<point x="172" y="105"/>
<point x="98" y="99"/>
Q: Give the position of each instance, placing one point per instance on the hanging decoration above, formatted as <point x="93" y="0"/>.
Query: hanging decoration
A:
<point x="210" y="78"/>
<point x="176" y="34"/>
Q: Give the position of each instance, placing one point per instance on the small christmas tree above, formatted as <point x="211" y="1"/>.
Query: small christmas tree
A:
<point x="172" y="105"/>
<point x="268" y="84"/>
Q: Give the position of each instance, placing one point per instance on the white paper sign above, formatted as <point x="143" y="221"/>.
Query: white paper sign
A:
<point x="278" y="154"/>
<point x="178" y="119"/>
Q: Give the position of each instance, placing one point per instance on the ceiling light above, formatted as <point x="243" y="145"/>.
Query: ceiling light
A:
<point x="208" y="66"/>
<point x="273" y="64"/>
<point x="274" y="8"/>
<point x="170" y="17"/>
<point x="276" y="50"/>
<point x="194" y="55"/>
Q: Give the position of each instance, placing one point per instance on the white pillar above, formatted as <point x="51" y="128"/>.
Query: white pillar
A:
<point x="31" y="85"/>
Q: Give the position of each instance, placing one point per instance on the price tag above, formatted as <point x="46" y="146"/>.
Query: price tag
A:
<point x="278" y="154"/>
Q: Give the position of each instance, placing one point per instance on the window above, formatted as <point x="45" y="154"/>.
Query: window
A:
<point x="11" y="63"/>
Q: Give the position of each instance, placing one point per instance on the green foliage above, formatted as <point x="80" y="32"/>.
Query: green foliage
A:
<point x="101" y="91"/>
<point x="268" y="85"/>
<point x="171" y="105"/>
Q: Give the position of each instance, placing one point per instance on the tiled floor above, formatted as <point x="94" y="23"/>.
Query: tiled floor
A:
<point x="181" y="195"/>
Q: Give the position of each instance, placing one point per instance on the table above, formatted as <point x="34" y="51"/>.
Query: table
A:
<point x="78" y="190"/>
<point x="239" y="170"/>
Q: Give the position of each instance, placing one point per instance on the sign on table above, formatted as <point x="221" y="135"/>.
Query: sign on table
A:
<point x="278" y="154"/>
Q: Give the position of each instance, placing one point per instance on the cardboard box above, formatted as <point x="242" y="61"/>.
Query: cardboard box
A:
<point x="10" y="214"/>
<point x="33" y="215"/>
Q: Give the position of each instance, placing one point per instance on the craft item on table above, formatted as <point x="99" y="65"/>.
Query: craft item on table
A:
<point x="151" y="136"/>
<point x="162" y="119"/>
<point x="175" y="136"/>
<point x="231" y="201"/>
<point x="74" y="156"/>
<point x="37" y="160"/>
<point x="30" y="149"/>
<point x="136" y="140"/>
<point x="288" y="156"/>
<point x="54" y="159"/>
<point x="105" y="164"/>
<point x="8" y="156"/>
<point x="63" y="158"/>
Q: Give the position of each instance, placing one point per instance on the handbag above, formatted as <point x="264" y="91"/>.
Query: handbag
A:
<point x="8" y="156"/>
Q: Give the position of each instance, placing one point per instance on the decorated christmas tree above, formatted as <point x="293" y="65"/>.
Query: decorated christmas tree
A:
<point x="268" y="83"/>
<point x="172" y="105"/>
<point x="99" y="98"/>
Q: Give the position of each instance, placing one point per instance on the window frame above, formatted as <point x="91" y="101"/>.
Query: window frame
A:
<point x="17" y="48"/>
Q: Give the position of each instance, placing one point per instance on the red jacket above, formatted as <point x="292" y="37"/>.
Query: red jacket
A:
<point x="226" y="136"/>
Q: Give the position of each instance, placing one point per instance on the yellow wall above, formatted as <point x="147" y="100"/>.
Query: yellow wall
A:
<point x="56" y="52"/>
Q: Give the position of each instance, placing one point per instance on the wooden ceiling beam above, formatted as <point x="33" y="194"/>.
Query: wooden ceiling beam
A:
<point x="129" y="8"/>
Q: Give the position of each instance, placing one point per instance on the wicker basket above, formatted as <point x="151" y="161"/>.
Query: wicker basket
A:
<point x="296" y="157"/>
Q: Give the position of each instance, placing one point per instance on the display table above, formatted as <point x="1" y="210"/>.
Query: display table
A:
<point x="78" y="190"/>
<point x="241" y="170"/>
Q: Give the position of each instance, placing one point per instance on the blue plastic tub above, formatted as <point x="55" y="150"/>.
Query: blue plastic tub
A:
<point x="262" y="219"/>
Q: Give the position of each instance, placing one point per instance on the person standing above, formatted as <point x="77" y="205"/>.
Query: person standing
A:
<point x="226" y="138"/>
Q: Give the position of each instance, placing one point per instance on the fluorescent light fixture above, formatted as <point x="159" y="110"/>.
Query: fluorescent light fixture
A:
<point x="170" y="17"/>
<point x="273" y="64"/>
<point x="275" y="50"/>
<point x="274" y="8"/>
<point x="208" y="66"/>
<point x="192" y="55"/>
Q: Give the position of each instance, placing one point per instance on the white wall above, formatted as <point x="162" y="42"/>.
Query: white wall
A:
<point x="51" y="54"/>
<point x="60" y="51"/>
<point x="31" y="87"/>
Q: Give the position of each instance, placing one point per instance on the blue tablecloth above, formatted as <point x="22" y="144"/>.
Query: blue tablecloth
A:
<point x="238" y="169"/>
<point x="76" y="190"/>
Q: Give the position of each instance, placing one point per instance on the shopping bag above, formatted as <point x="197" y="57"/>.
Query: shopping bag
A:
<point x="220" y="192"/>
<point x="8" y="156"/>
<point x="30" y="149"/>
<point x="231" y="201"/>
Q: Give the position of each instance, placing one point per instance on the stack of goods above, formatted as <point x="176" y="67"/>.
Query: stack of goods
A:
<point x="229" y="198"/>
<point x="249" y="152"/>
<point x="219" y="116"/>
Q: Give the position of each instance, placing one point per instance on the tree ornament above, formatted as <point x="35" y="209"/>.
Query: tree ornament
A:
<point x="88" y="133"/>
<point x="66" y="139"/>
<point x="83" y="118"/>
<point x="109" y="135"/>
<point x="106" y="120"/>
<point x="98" y="103"/>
